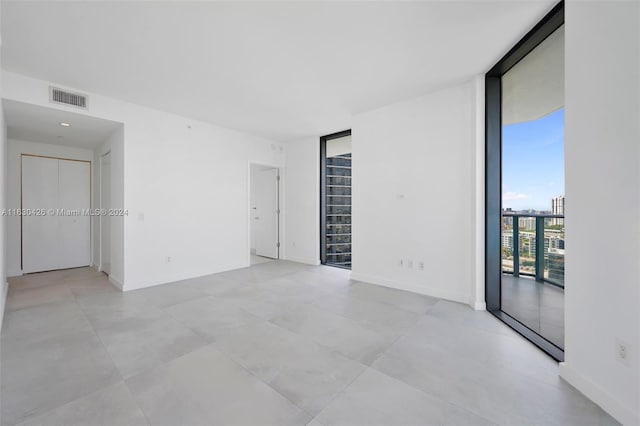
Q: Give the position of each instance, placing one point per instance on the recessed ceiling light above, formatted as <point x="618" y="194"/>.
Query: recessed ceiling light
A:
<point x="63" y="124"/>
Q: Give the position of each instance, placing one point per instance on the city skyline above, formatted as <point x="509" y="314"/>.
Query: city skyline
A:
<point x="533" y="163"/>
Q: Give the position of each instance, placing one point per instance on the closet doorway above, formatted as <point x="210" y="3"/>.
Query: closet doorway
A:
<point x="56" y="225"/>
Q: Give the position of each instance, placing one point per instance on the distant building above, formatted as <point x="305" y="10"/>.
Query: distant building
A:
<point x="556" y="240"/>
<point x="557" y="207"/>
<point x="527" y="223"/>
<point x="338" y="208"/>
<point x="507" y="241"/>
<point x="556" y="266"/>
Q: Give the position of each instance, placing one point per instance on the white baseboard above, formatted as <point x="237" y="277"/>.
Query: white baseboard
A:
<point x="477" y="305"/>
<point x="306" y="261"/>
<point x="427" y="291"/>
<point x="3" y="301"/>
<point x="604" y="399"/>
<point x="116" y="282"/>
<point x="14" y="273"/>
<point x="139" y="286"/>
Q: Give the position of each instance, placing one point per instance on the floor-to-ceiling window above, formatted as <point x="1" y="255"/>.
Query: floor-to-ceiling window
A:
<point x="525" y="186"/>
<point x="335" y="194"/>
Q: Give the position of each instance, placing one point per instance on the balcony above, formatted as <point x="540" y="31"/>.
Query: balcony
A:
<point x="533" y="272"/>
<point x="534" y="234"/>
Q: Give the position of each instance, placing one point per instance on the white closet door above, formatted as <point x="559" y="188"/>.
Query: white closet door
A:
<point x="53" y="241"/>
<point x="74" y="231"/>
<point x="40" y="243"/>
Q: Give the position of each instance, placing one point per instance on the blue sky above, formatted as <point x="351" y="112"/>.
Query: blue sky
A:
<point x="533" y="162"/>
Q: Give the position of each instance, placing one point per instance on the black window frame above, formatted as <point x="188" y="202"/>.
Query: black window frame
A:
<point x="323" y="193"/>
<point x="493" y="174"/>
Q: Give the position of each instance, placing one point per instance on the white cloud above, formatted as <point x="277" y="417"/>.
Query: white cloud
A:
<point x="510" y="196"/>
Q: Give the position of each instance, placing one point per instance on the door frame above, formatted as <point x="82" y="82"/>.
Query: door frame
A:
<point x="22" y="155"/>
<point x="323" y="193"/>
<point x="493" y="175"/>
<point x="279" y="201"/>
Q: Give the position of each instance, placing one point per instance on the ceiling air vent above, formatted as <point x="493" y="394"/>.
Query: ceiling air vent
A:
<point x="61" y="96"/>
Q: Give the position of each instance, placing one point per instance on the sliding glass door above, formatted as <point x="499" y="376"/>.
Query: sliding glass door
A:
<point x="525" y="186"/>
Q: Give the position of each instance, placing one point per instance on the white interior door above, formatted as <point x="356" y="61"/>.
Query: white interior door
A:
<point x="40" y="244"/>
<point x="74" y="194"/>
<point x="265" y="214"/>
<point x="105" y="221"/>
<point x="55" y="241"/>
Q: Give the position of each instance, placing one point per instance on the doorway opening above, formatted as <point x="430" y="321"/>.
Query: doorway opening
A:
<point x="335" y="199"/>
<point x="53" y="175"/>
<point x="264" y="213"/>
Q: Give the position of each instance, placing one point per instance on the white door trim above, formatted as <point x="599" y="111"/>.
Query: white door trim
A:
<point x="102" y="217"/>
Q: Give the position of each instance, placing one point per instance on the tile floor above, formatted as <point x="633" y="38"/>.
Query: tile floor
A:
<point x="278" y="343"/>
<point x="256" y="260"/>
<point x="539" y="306"/>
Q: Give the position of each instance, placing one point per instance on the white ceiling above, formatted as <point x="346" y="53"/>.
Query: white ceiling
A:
<point x="39" y="124"/>
<point x="283" y="70"/>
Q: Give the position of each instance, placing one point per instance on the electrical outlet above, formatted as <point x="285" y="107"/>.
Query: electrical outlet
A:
<point x="168" y="259"/>
<point x="622" y="351"/>
<point x="401" y="263"/>
<point x="421" y="265"/>
<point x="410" y="264"/>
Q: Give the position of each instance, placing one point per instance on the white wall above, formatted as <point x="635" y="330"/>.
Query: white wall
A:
<point x="3" y="203"/>
<point x="3" y="220"/>
<point x="191" y="185"/>
<point x="602" y="290"/>
<point x="477" y="284"/>
<point x="414" y="194"/>
<point x="15" y="149"/>
<point x="302" y="207"/>
<point x="185" y="187"/>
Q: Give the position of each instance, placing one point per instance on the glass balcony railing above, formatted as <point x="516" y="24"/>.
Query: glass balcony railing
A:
<point x="533" y="245"/>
